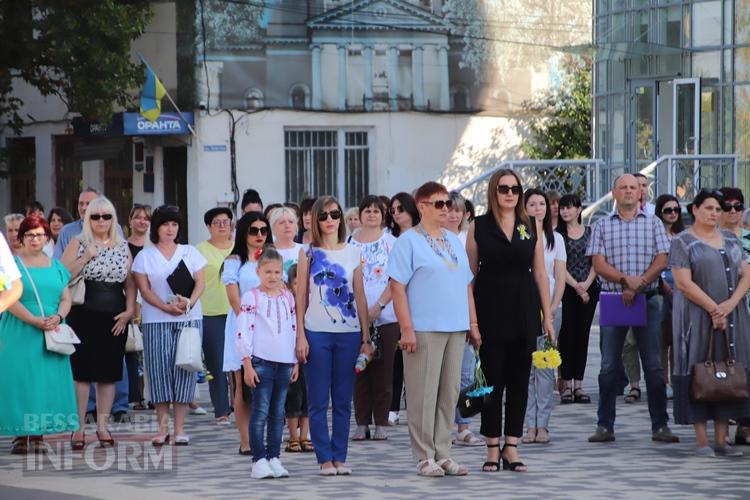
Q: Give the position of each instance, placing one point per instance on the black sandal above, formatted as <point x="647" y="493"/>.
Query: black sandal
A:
<point x="634" y="395"/>
<point x="496" y="465"/>
<point x="77" y="444"/>
<point x="511" y="466"/>
<point x="581" y="397"/>
<point x="566" y="396"/>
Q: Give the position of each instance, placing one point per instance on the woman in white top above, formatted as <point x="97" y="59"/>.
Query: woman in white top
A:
<point x="239" y="276"/>
<point x="164" y="314"/>
<point x="374" y="386"/>
<point x="10" y="278"/>
<point x="283" y="222"/>
<point x="331" y="330"/>
<point x="541" y="382"/>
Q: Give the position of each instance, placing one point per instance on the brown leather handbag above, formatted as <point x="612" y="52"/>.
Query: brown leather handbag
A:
<point x="718" y="381"/>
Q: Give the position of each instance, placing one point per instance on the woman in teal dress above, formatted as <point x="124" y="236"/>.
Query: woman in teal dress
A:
<point x="37" y="395"/>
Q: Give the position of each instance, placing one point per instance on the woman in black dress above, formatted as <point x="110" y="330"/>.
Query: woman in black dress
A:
<point x="510" y="289"/>
<point x="102" y="257"/>
<point x="139" y="222"/>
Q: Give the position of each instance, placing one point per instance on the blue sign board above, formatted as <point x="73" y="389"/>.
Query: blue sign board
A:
<point x="214" y="148"/>
<point x="169" y="123"/>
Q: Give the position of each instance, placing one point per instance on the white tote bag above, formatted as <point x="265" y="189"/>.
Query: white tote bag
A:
<point x="134" y="343"/>
<point x="189" y="350"/>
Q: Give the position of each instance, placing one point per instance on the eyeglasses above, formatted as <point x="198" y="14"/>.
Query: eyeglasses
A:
<point x="400" y="209"/>
<point x="255" y="231"/>
<point x="35" y="236"/>
<point x="503" y="189"/>
<point x="671" y="210"/>
<point x="221" y="222"/>
<point x="335" y="215"/>
<point x="439" y="204"/>
<point x="737" y="207"/>
<point x="100" y="216"/>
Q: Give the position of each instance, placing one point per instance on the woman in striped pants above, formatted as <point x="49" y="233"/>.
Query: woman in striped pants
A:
<point x="163" y="316"/>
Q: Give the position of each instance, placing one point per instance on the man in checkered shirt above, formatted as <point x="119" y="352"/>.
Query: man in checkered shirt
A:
<point x="629" y="249"/>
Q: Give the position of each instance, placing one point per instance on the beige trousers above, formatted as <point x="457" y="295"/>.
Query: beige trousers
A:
<point x="433" y="376"/>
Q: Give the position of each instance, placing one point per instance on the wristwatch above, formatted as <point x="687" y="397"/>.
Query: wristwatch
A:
<point x="382" y="306"/>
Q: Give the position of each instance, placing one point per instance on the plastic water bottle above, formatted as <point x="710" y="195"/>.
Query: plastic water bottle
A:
<point x="201" y="377"/>
<point x="362" y="361"/>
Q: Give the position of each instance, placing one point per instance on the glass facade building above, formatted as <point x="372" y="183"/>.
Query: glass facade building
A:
<point x="671" y="77"/>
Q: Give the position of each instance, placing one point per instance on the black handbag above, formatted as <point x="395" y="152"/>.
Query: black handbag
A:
<point x="181" y="281"/>
<point x="469" y="406"/>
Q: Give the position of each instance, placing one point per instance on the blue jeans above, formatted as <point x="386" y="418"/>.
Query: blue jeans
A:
<point x="330" y="372"/>
<point x="269" y="397"/>
<point x="467" y="378"/>
<point x="213" y="353"/>
<point x="122" y="393"/>
<point x="648" y="338"/>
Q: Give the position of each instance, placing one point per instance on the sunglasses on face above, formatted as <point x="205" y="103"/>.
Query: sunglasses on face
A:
<point x="671" y="210"/>
<point x="398" y="209"/>
<point x="439" y="204"/>
<point x="335" y="215"/>
<point x="255" y="231"/>
<point x="503" y="189"/>
<point x="737" y="207"/>
<point x="101" y="216"/>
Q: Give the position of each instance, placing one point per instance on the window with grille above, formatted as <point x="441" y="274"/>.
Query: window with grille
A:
<point x="312" y="159"/>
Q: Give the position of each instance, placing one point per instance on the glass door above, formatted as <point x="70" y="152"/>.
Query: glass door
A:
<point x="643" y="111"/>
<point x="685" y="175"/>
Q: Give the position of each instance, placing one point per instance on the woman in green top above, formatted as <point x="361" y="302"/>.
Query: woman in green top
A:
<point x="40" y="400"/>
<point x="215" y="304"/>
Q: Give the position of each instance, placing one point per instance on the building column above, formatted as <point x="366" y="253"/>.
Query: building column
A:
<point x="367" y="53"/>
<point x="393" y="53"/>
<point x="417" y="69"/>
<point x="316" y="85"/>
<point x="45" y="170"/>
<point x="212" y="82"/>
<point x="342" y="78"/>
<point x="445" y="96"/>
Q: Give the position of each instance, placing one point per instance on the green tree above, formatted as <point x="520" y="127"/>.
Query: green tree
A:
<point x="76" y="50"/>
<point x="562" y="128"/>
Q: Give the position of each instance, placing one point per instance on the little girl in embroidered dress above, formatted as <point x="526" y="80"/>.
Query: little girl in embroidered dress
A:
<point x="265" y="340"/>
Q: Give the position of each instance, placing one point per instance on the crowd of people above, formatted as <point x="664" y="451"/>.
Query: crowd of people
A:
<point x="302" y="308"/>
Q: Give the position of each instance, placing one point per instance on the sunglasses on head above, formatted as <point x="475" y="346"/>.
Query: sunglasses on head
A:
<point x="671" y="210"/>
<point x="101" y="216"/>
<point x="168" y="208"/>
<point x="503" y="189"/>
<point x="439" y="204"/>
<point x="737" y="207"/>
<point x="399" y="209"/>
<point x="255" y="231"/>
<point x="335" y="215"/>
<point x="138" y="206"/>
<point x="712" y="192"/>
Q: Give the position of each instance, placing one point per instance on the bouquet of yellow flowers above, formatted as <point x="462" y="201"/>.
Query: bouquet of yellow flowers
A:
<point x="548" y="357"/>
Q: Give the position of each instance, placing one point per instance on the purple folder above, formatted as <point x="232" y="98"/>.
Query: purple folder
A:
<point x="614" y="312"/>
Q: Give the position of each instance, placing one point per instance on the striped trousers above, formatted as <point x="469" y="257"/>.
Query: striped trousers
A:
<point x="167" y="382"/>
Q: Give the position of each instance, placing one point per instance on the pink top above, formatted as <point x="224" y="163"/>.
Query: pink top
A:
<point x="267" y="327"/>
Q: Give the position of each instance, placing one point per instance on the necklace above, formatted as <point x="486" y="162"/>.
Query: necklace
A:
<point x="438" y="244"/>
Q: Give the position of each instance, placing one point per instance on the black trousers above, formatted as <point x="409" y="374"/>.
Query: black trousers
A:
<point x="574" y="331"/>
<point x="398" y="381"/>
<point x="506" y="365"/>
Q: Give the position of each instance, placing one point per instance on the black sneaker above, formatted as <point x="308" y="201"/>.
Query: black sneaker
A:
<point x="602" y="435"/>
<point x="664" y="435"/>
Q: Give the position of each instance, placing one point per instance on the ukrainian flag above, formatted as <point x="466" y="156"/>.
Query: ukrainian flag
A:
<point x="151" y="94"/>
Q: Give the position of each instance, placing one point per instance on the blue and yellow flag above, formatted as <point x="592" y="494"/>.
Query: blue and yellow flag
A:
<point x="151" y="94"/>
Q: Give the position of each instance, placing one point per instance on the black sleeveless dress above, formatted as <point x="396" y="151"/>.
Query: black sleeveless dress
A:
<point x="505" y="293"/>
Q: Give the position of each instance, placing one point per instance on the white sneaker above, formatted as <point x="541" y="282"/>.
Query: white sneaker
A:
<point x="392" y="418"/>
<point x="261" y="470"/>
<point x="277" y="468"/>
<point x="670" y="392"/>
<point x="198" y="411"/>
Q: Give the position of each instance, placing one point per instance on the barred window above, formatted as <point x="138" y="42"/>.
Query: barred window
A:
<point x="312" y="159"/>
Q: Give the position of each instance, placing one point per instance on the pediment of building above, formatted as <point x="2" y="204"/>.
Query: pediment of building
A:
<point x="379" y="15"/>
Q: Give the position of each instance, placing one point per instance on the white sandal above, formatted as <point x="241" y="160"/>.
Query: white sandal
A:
<point x="467" y="438"/>
<point x="452" y="468"/>
<point x="428" y="468"/>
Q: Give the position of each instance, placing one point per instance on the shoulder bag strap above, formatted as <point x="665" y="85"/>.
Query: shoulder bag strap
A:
<point x="730" y="356"/>
<point x="710" y="353"/>
<point x="309" y="275"/>
<point x="33" y="287"/>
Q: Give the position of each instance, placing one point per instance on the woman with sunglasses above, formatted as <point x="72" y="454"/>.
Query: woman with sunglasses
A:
<point x="164" y="314"/>
<point x="331" y="331"/>
<point x="579" y="300"/>
<point x="101" y="256"/>
<point x="430" y="280"/>
<point x="731" y="220"/>
<point x="239" y="276"/>
<point x="712" y="276"/>
<point x="402" y="215"/>
<point x="510" y="289"/>
<point x="215" y="250"/>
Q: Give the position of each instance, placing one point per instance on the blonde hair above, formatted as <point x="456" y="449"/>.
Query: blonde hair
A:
<point x="13" y="218"/>
<point x="278" y="213"/>
<point x="100" y="205"/>
<point x="351" y="211"/>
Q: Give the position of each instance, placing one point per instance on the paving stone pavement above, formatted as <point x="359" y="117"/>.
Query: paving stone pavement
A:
<point x="567" y="467"/>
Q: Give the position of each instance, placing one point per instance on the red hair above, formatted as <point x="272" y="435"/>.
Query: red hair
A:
<point x="33" y="222"/>
<point x="428" y="189"/>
